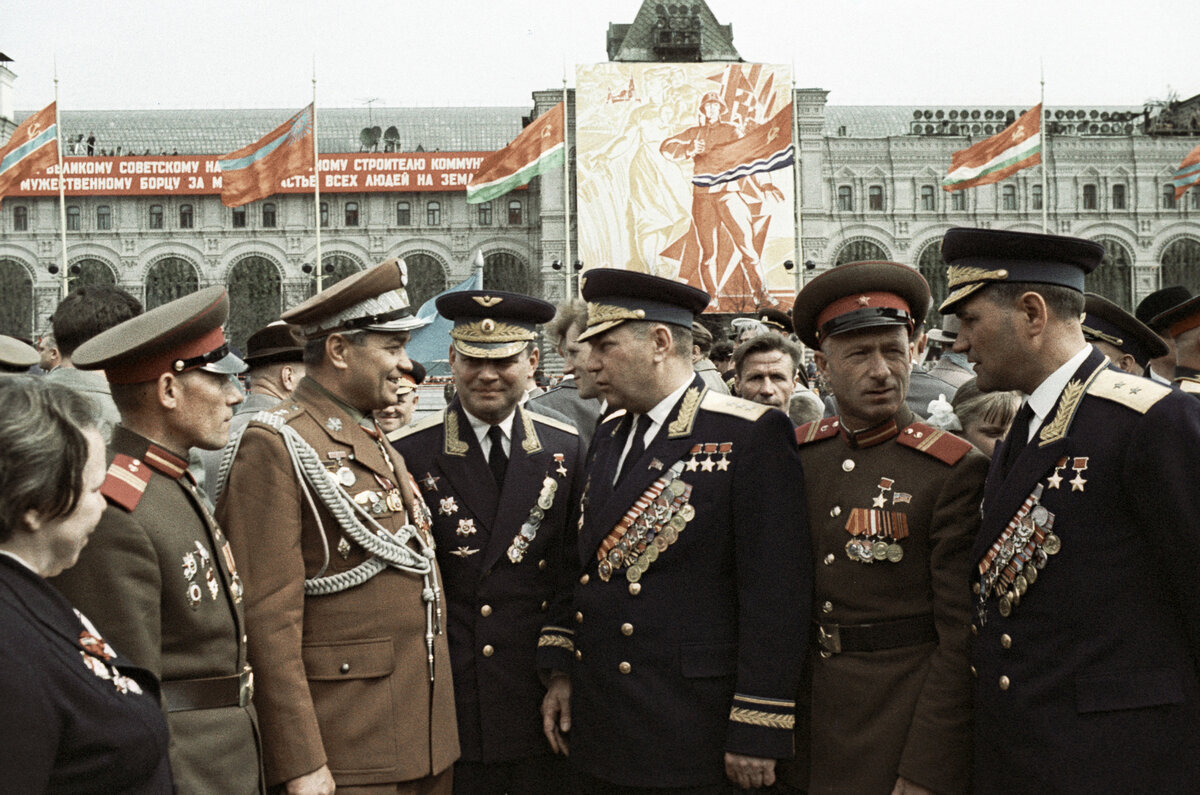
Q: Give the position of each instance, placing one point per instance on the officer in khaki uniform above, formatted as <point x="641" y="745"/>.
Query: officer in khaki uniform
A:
<point x="503" y="484"/>
<point x="893" y="507"/>
<point x="344" y="603"/>
<point x="158" y="576"/>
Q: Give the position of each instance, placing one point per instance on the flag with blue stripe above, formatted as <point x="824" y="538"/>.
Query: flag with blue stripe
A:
<point x="33" y="147"/>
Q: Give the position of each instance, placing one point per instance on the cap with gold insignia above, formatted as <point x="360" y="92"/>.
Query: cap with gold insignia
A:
<point x="1180" y="318"/>
<point x="1104" y="321"/>
<point x="774" y="318"/>
<point x="16" y="356"/>
<point x="276" y="342"/>
<point x="411" y="379"/>
<point x="370" y="300"/>
<point x="182" y="335"/>
<point x="492" y="324"/>
<point x="1158" y="302"/>
<point x="859" y="295"/>
<point x="981" y="257"/>
<point x="614" y="296"/>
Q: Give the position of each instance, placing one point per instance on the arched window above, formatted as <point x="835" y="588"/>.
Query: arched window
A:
<point x="875" y="197"/>
<point x="1035" y="197"/>
<point x="1112" y="279"/>
<point x="72" y="217"/>
<point x="426" y="278"/>
<point x="958" y="201"/>
<point x="20" y="219"/>
<point x="1089" y="197"/>
<point x="351" y="213"/>
<point x="485" y="214"/>
<point x="168" y="279"/>
<point x="1008" y="197"/>
<point x="156" y="216"/>
<point x="860" y="251"/>
<point x="933" y="268"/>
<point x="845" y="199"/>
<point x="505" y="271"/>
<point x="239" y="217"/>
<point x="91" y="272"/>
<point x="268" y="211"/>
<point x="335" y="268"/>
<point x="324" y="214"/>
<point x="104" y="217"/>
<point x="1118" y="197"/>
<point x="185" y="216"/>
<point x="403" y="214"/>
<point x="1181" y="264"/>
<point x="514" y="212"/>
<point x="1168" y="197"/>
<point x="254" y="297"/>
<point x="16" y="310"/>
<point x="433" y="213"/>
<point x="928" y="198"/>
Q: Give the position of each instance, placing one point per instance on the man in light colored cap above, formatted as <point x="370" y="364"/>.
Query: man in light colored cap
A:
<point x="1086" y="630"/>
<point x="344" y="604"/>
<point x="504" y="481"/>
<point x="893" y="505"/>
<point x="951" y="367"/>
<point x="692" y="608"/>
<point x="158" y="574"/>
<point x="16" y="356"/>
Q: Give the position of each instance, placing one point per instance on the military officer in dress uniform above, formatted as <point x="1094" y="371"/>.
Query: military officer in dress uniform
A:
<point x="158" y="576"/>
<point x="1086" y="607"/>
<point x="893" y="507"/>
<point x="1128" y="342"/>
<point x="503" y="484"/>
<point x="1183" y="324"/>
<point x="344" y="602"/>
<point x="692" y="606"/>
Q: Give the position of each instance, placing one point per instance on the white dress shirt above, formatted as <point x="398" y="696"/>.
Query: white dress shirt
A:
<point x="1046" y="395"/>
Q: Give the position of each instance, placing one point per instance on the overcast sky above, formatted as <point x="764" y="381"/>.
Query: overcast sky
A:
<point x="223" y="54"/>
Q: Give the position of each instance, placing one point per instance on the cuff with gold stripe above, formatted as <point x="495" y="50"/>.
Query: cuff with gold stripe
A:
<point x="556" y="649"/>
<point x="767" y="713"/>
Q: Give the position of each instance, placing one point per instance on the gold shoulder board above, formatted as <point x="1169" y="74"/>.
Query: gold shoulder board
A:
<point x="1133" y="391"/>
<point x="737" y="407"/>
<point x="553" y="423"/>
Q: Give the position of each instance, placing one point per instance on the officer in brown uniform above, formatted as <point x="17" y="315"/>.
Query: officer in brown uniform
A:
<point x="343" y="596"/>
<point x="158" y="576"/>
<point x="893" y="506"/>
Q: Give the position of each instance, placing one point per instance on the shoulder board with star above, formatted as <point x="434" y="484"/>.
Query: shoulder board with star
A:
<point x="284" y="413"/>
<point x="817" y="430"/>
<point x="126" y="481"/>
<point x="942" y="445"/>
<point x="734" y="406"/>
<point x="1132" y="391"/>
<point x="432" y="421"/>
<point x="553" y="423"/>
<point x="1189" y="385"/>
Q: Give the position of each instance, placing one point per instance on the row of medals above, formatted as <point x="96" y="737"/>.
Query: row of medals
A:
<point x="662" y="518"/>
<point x="872" y="548"/>
<point x="528" y="532"/>
<point x="1015" y="559"/>
<point x="377" y="502"/>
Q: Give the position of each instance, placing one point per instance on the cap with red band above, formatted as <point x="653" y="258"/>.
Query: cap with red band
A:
<point x="860" y="295"/>
<point x="182" y="335"/>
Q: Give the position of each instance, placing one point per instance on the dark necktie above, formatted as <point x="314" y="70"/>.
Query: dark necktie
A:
<point x="1018" y="437"/>
<point x="497" y="460"/>
<point x="637" y="447"/>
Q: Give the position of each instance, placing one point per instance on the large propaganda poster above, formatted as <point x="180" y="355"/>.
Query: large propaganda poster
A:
<point x="685" y="171"/>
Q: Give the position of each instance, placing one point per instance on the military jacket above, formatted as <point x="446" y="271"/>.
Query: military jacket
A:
<point x="1086" y="604"/>
<point x="693" y="604"/>
<point x="1187" y="379"/>
<point x="78" y="716"/>
<point x="893" y="511"/>
<point x="159" y="580"/>
<point x="343" y="678"/>
<point x="508" y="561"/>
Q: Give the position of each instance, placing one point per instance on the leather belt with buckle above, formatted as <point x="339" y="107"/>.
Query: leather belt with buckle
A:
<point x="235" y="690"/>
<point x="838" y="638"/>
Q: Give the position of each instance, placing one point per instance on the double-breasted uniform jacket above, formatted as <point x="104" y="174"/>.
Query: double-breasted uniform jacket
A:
<point x="343" y="678"/>
<point x="888" y="692"/>
<point x="509" y="598"/>
<point x="159" y="580"/>
<point x="693" y="603"/>
<point x="1088" y="605"/>
<point x="79" y="718"/>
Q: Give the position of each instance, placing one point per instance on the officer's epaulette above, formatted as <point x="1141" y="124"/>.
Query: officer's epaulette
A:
<point x="277" y="417"/>
<point x="734" y="406"/>
<point x="817" y="430"/>
<point x="1133" y="391"/>
<point x="942" y="445"/>
<point x="432" y="421"/>
<point x="126" y="481"/>
<point x="1189" y="385"/>
<point x="553" y="423"/>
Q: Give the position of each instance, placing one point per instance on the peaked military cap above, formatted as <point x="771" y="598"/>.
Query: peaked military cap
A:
<point x="980" y="257"/>
<point x="411" y="379"/>
<point x="774" y="318"/>
<point x="614" y="296"/>
<point x="1104" y="321"/>
<point x="276" y="342"/>
<point x="182" y="335"/>
<point x="859" y="295"/>
<point x="1179" y="318"/>
<point x="948" y="333"/>
<point x="16" y="356"/>
<point x="1158" y="302"/>
<point x="370" y="300"/>
<point x="492" y="324"/>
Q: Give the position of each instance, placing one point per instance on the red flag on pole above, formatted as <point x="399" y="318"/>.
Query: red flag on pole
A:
<point x="31" y="148"/>
<point x="255" y="171"/>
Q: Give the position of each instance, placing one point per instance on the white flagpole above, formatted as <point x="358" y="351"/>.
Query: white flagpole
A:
<point x="62" y="197"/>
<point x="318" y="265"/>
<point x="568" y="263"/>
<point x="797" y="189"/>
<point x="1045" y="159"/>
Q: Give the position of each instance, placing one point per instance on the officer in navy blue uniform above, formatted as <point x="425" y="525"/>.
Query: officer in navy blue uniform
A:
<point x="1087" y="608"/>
<point x="693" y="603"/>
<point x="502" y="483"/>
<point x="1182" y="323"/>
<point x="1128" y="342"/>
